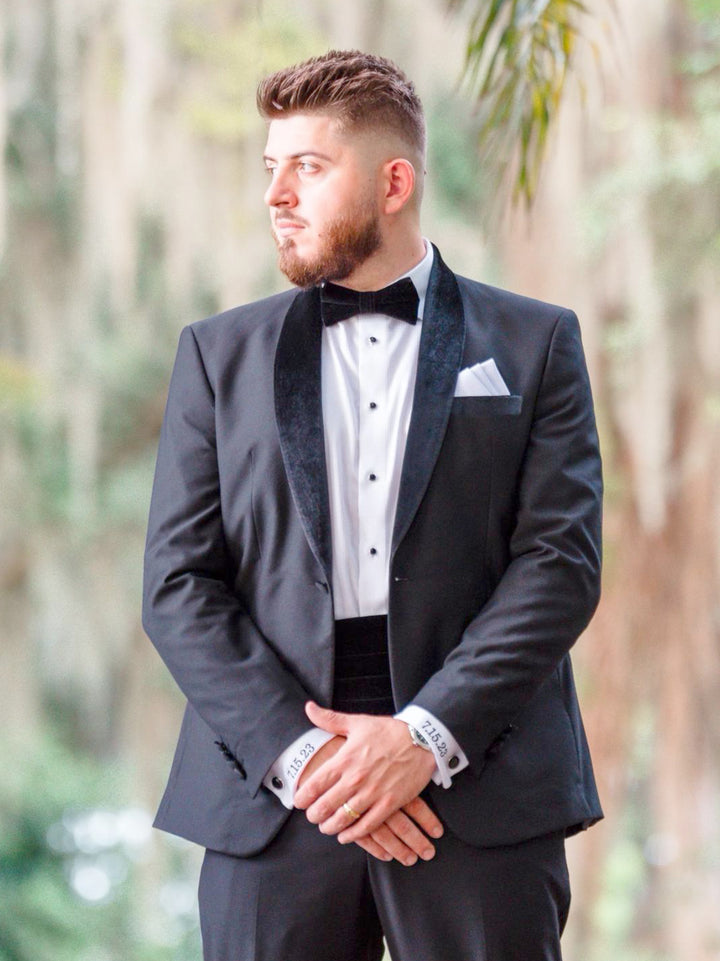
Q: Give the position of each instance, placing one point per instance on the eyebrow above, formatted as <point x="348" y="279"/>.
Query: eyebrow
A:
<point x="303" y="153"/>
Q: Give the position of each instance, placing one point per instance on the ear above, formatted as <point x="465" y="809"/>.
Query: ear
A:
<point x="398" y="183"/>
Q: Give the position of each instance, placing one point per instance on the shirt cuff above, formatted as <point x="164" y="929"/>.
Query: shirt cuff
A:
<point x="283" y="776"/>
<point x="450" y="758"/>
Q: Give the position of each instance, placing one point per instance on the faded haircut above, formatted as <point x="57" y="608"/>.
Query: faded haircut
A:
<point x="361" y="90"/>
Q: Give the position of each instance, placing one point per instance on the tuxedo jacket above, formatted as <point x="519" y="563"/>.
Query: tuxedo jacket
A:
<point x="494" y="570"/>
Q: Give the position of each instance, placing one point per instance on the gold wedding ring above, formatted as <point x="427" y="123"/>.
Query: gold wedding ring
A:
<point x="349" y="811"/>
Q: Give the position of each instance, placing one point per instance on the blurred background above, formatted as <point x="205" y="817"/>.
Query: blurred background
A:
<point x="130" y="205"/>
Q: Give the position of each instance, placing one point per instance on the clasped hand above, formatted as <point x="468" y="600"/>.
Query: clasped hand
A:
<point x="372" y="766"/>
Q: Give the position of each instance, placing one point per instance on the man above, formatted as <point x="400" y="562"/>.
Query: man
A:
<point x="379" y="494"/>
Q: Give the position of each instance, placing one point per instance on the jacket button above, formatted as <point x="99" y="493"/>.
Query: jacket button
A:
<point x="277" y="783"/>
<point x="453" y="762"/>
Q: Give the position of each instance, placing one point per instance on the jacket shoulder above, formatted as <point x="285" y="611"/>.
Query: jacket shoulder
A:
<point x="504" y="303"/>
<point x="265" y="315"/>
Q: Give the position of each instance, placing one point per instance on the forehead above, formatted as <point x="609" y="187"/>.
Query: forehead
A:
<point x="302" y="133"/>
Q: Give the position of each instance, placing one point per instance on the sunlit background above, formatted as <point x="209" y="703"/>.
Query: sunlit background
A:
<point x="130" y="205"/>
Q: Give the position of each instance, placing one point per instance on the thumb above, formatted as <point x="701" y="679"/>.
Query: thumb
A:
<point x="332" y="721"/>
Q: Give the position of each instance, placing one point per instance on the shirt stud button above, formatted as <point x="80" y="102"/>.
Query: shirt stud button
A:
<point x="277" y="783"/>
<point x="453" y="762"/>
<point x="373" y="405"/>
<point x="373" y="340"/>
<point x="373" y="551"/>
<point x="373" y="477"/>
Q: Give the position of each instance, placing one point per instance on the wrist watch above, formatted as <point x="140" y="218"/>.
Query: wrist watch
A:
<point x="417" y="738"/>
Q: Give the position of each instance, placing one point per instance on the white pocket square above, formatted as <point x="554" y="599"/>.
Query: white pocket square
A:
<point x="481" y="380"/>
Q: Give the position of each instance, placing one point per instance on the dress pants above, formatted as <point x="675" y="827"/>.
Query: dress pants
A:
<point x="308" y="898"/>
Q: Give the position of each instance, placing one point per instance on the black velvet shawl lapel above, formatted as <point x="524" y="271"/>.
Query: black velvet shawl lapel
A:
<point x="298" y="412"/>
<point x="441" y="350"/>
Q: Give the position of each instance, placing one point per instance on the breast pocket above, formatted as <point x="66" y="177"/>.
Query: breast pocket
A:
<point x="506" y="405"/>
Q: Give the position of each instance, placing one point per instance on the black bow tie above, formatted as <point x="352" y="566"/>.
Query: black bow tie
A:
<point x="398" y="300"/>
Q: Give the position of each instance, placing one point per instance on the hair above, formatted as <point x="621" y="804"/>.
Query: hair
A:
<point x="362" y="90"/>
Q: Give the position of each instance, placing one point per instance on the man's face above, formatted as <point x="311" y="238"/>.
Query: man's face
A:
<point x="322" y="198"/>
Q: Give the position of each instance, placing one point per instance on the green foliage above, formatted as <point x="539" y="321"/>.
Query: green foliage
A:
<point x="678" y="184"/>
<point x="618" y="915"/>
<point x="42" y="442"/>
<point x="149" y="280"/>
<point x="516" y="66"/>
<point x="705" y="10"/>
<point x="68" y="876"/>
<point x="38" y="187"/>
<point x="40" y="918"/>
<point x="452" y="158"/>
<point x="231" y="51"/>
<point x="18" y="386"/>
<point x="133" y="380"/>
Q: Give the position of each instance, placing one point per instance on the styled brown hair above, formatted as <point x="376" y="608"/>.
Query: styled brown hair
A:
<point x="360" y="89"/>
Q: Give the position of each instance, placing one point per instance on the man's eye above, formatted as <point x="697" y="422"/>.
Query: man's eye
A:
<point x="307" y="168"/>
<point x="270" y="170"/>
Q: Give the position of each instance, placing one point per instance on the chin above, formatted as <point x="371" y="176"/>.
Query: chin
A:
<point x="298" y="270"/>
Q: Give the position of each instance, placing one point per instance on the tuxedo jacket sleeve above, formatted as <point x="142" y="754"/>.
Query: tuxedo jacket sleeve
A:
<point x="547" y="569"/>
<point x="229" y="671"/>
<point x="506" y="690"/>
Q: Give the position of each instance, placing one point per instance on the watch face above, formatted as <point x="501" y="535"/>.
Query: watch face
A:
<point x="418" y="738"/>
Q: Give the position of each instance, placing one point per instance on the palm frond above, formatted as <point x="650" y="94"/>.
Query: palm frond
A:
<point x="517" y="61"/>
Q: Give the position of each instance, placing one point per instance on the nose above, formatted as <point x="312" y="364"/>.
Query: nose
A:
<point x="280" y="192"/>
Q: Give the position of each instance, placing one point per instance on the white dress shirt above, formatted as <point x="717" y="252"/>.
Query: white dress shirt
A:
<point x="369" y="365"/>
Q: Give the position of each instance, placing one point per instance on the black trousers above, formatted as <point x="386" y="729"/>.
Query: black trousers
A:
<point x="308" y="898"/>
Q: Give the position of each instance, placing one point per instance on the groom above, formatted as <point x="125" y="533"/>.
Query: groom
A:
<point x="374" y="537"/>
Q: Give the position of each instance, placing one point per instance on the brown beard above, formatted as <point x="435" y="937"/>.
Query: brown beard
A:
<point x="348" y="243"/>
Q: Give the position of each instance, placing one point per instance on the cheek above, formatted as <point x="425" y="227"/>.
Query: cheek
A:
<point x="321" y="223"/>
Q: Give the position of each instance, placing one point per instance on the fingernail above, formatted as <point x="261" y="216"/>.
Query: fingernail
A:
<point x="428" y="854"/>
<point x="437" y="832"/>
<point x="408" y="862"/>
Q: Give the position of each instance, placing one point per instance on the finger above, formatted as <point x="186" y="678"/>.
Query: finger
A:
<point x="333" y="721"/>
<point x="425" y="817"/>
<point x="332" y="819"/>
<point x="372" y="847"/>
<point x="320" y="757"/>
<point x="411" y="835"/>
<point x="318" y="784"/>
<point x="404" y="838"/>
<point x="349" y="788"/>
<point x="378" y="807"/>
<point x="375" y="814"/>
<point x="394" y="846"/>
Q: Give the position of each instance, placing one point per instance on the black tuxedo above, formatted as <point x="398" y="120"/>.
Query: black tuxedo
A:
<point x="494" y="572"/>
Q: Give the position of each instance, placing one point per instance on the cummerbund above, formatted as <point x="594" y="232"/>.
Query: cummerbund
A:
<point x="362" y="668"/>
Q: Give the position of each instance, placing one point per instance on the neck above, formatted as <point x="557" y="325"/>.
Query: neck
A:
<point x="395" y="257"/>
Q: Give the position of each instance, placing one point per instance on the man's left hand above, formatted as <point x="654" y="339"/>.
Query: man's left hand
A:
<point x="377" y="771"/>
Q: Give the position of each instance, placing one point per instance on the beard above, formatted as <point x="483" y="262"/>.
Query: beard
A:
<point x="348" y="241"/>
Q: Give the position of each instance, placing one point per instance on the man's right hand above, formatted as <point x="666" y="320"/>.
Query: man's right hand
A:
<point x="401" y="837"/>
